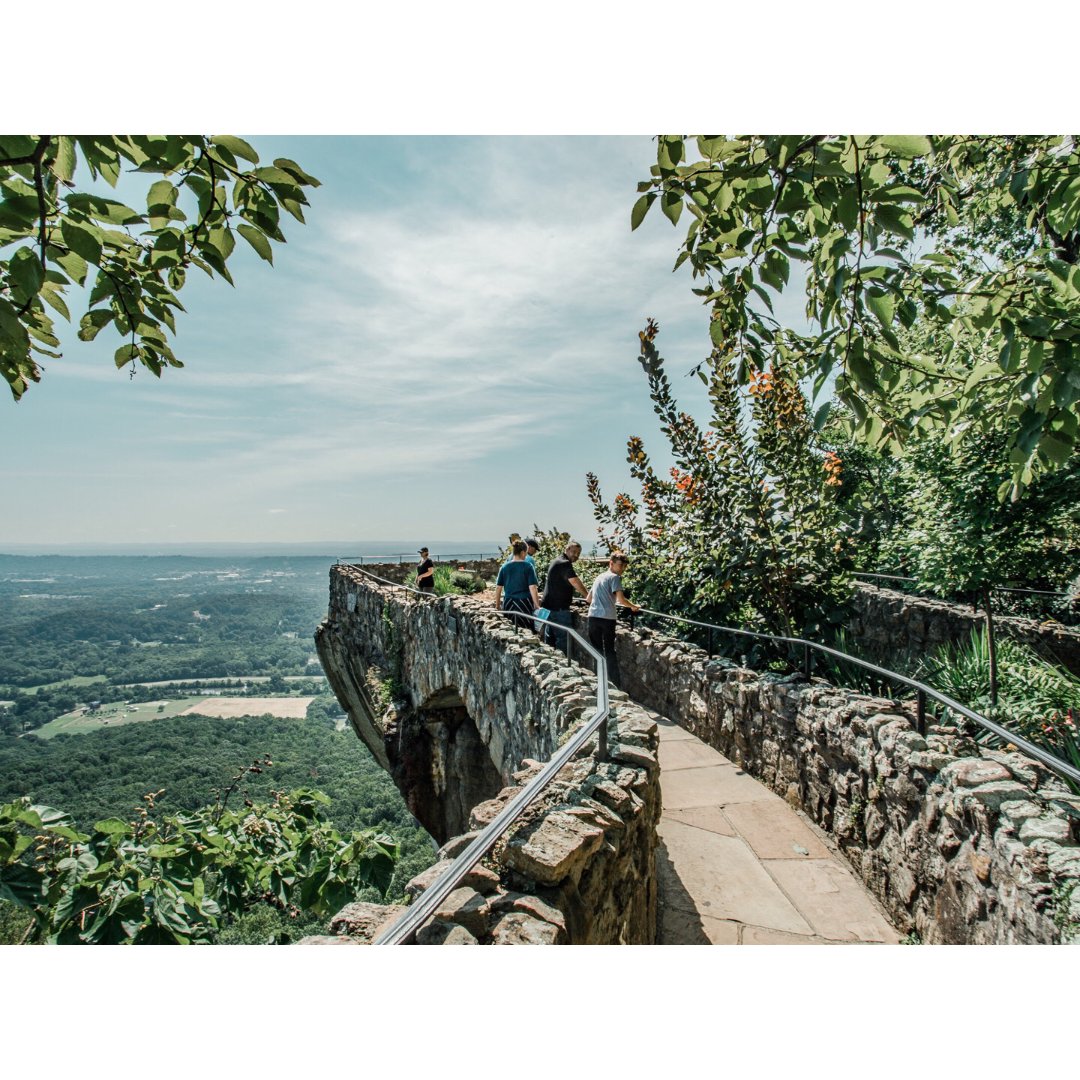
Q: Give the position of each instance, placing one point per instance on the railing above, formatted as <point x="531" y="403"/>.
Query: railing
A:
<point x="993" y="588"/>
<point x="1062" y="768"/>
<point x="411" y="557"/>
<point x="404" y="929"/>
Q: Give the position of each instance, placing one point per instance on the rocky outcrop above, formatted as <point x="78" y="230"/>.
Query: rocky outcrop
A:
<point x="461" y="708"/>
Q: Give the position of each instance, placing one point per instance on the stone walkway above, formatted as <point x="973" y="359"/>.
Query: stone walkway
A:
<point x="738" y="866"/>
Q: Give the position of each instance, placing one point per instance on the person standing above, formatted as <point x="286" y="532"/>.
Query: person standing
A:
<point x="605" y="593"/>
<point x="425" y="573"/>
<point x="559" y="588"/>
<point x="533" y="550"/>
<point x="518" y="578"/>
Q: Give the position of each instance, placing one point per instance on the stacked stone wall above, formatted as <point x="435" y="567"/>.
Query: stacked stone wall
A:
<point x="896" y="630"/>
<point x="961" y="845"/>
<point x="578" y="868"/>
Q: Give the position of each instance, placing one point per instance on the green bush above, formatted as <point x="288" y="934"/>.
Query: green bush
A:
<point x="1036" y="699"/>
<point x="186" y="877"/>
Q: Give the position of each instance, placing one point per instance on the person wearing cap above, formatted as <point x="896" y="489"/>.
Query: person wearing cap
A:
<point x="425" y="572"/>
<point x="518" y="578"/>
<point x="562" y="582"/>
<point x="533" y="548"/>
<point x="605" y="593"/>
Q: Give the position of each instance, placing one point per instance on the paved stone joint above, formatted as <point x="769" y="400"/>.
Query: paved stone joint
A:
<point x="738" y="866"/>
<point x="960" y="844"/>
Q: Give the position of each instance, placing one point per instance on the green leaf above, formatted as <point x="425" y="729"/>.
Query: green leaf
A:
<point x="125" y="355"/>
<point x="26" y="271"/>
<point x="271" y="175"/>
<point x="1056" y="449"/>
<point x="50" y="293"/>
<point x="257" y="241"/>
<point x="882" y="304"/>
<point x="64" y="166"/>
<point x="92" y="322"/>
<point x="161" y="194"/>
<point x="235" y="146"/>
<point x="907" y="146"/>
<point x="672" y="206"/>
<point x="109" y="210"/>
<point x="862" y="371"/>
<point x="83" y="239"/>
<point x="111" y="826"/>
<point x="641" y="208"/>
<point x="294" y="170"/>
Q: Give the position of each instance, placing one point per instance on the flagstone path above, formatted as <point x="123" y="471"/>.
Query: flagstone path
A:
<point x="738" y="866"/>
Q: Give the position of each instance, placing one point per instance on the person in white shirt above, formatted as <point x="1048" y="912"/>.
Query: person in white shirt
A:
<point x="605" y="593"/>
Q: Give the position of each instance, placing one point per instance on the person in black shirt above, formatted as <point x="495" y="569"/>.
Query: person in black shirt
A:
<point x="425" y="572"/>
<point x="562" y="582"/>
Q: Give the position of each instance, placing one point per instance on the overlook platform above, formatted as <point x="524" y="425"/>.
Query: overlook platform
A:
<point x="738" y="866"/>
<point x="781" y="809"/>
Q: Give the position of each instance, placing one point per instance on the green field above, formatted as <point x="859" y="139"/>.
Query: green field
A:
<point x="115" y="714"/>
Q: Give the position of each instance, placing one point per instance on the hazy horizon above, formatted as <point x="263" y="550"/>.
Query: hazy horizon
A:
<point x="214" y="548"/>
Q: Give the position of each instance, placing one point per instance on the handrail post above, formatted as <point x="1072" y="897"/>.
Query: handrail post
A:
<point x="920" y="714"/>
<point x="808" y="662"/>
<point x="710" y="642"/>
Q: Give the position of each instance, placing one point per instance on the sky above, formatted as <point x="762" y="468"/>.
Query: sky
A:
<point x="449" y="344"/>
<point x="442" y="352"/>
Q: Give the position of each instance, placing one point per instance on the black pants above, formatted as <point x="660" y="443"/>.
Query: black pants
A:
<point x="602" y="638"/>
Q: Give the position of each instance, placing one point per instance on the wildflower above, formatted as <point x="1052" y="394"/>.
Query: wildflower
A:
<point x="834" y="469"/>
<point x="761" y="382"/>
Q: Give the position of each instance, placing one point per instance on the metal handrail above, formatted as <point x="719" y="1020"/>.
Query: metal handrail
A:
<point x="402" y="558"/>
<point x="993" y="588"/>
<point x="404" y="929"/>
<point x="1062" y="768"/>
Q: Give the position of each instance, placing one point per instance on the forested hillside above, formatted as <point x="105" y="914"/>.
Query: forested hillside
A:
<point x="75" y="632"/>
<point x="136" y="619"/>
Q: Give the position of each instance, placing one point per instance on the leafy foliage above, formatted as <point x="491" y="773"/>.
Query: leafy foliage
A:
<point x="975" y="239"/>
<point x="176" y="880"/>
<point x="450" y="582"/>
<point x="1031" y="690"/>
<point x="133" y="261"/>
<point x="936" y="517"/>
<point x="746" y="529"/>
<point x="1035" y="698"/>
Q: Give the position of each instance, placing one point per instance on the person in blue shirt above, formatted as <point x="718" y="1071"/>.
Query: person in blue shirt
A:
<point x="518" y="579"/>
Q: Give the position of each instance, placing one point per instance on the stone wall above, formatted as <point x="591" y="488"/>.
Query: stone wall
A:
<point x="895" y="629"/>
<point x="459" y="708"/>
<point x="959" y="845"/>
